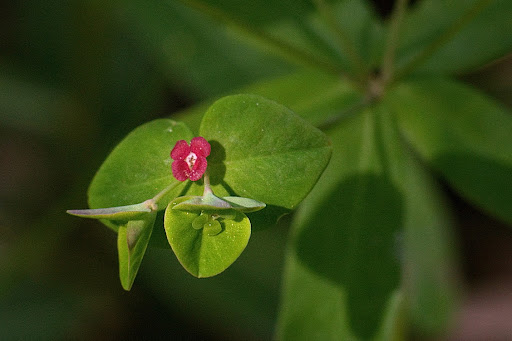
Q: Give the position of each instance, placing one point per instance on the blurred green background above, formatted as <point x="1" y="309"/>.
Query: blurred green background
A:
<point x="75" y="77"/>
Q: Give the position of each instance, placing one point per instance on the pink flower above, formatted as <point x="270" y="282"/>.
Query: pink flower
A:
<point x="190" y="161"/>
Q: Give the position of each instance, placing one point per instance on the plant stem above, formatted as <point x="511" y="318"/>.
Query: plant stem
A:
<point x="282" y="48"/>
<point x="450" y="32"/>
<point x="343" y="39"/>
<point x="388" y="62"/>
<point x="351" y="110"/>
<point x="206" y="181"/>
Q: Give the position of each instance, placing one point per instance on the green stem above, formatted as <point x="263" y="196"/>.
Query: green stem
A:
<point x="343" y="39"/>
<point x="282" y="48"/>
<point x="206" y="181"/>
<point x="452" y="30"/>
<point x="350" y="111"/>
<point x="388" y="62"/>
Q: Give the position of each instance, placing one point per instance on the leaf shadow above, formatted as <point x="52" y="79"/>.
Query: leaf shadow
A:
<point x="216" y="164"/>
<point x="351" y="240"/>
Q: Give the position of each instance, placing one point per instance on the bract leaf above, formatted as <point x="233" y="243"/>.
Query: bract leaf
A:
<point x="128" y="212"/>
<point x="262" y="150"/>
<point x="244" y="204"/>
<point x="132" y="241"/>
<point x="464" y="135"/>
<point x="139" y="166"/>
<point x="212" y="202"/>
<point x="205" y="202"/>
<point x="206" y="252"/>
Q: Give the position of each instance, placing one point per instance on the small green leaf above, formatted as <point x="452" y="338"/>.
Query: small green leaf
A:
<point x="262" y="150"/>
<point x="123" y="213"/>
<point x="244" y="204"/>
<point x="208" y="251"/>
<point x="205" y="202"/>
<point x="132" y="241"/>
<point x="211" y="202"/>
<point x="139" y="166"/>
<point x="199" y="222"/>
<point x="212" y="228"/>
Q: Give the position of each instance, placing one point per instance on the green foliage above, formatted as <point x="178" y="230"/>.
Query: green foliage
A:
<point x="250" y="152"/>
<point x="370" y="253"/>
<point x="259" y="145"/>
<point x="464" y="135"/>
<point x="132" y="241"/>
<point x="138" y="168"/>
<point x="201" y="251"/>
<point x="460" y="35"/>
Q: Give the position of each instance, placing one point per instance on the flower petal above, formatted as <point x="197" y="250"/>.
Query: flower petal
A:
<point x="199" y="168"/>
<point x="200" y="146"/>
<point x="180" y="150"/>
<point x="180" y="170"/>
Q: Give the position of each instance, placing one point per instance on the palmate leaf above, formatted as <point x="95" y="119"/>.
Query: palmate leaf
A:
<point x="464" y="135"/>
<point x="463" y="34"/>
<point x="362" y="224"/>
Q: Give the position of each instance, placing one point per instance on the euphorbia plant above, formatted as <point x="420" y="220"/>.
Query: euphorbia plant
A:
<point x="370" y="253"/>
<point x="251" y="153"/>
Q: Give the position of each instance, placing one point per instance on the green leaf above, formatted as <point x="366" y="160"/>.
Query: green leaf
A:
<point x="426" y="246"/>
<point x="312" y="308"/>
<point x="362" y="28"/>
<point x="259" y="12"/>
<point x="244" y="204"/>
<point x="328" y="96"/>
<point x="139" y="167"/>
<point x="211" y="202"/>
<point x="351" y="238"/>
<point x="353" y="243"/>
<point x="132" y="241"/>
<point x="129" y="212"/>
<point x="464" y="135"/>
<point x="171" y="33"/>
<point x="477" y="33"/>
<point x="206" y="252"/>
<point x="262" y="150"/>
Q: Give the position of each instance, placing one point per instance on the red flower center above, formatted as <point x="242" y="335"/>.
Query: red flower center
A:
<point x="191" y="160"/>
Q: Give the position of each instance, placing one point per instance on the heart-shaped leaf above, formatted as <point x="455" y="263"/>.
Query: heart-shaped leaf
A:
<point x="139" y="166"/>
<point x="132" y="241"/>
<point x="262" y="150"/>
<point x="206" y="251"/>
